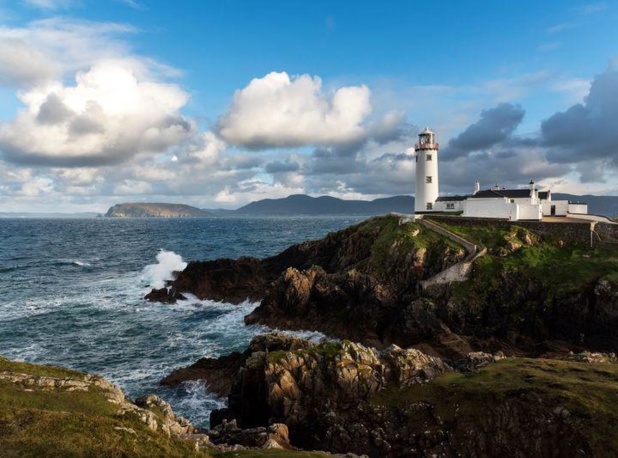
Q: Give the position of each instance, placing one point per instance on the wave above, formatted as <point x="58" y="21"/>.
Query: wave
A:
<point x="168" y="262"/>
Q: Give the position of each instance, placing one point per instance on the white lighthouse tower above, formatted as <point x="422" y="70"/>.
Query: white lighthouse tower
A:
<point x="427" y="185"/>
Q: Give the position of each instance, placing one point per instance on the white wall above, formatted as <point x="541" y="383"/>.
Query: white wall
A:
<point x="442" y="206"/>
<point x="561" y="207"/>
<point x="491" y="208"/>
<point x="578" y="208"/>
<point x="530" y="212"/>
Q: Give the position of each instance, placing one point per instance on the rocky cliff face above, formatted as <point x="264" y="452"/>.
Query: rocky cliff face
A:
<point x="345" y="397"/>
<point x="154" y="210"/>
<point x="530" y="295"/>
<point x="362" y="284"/>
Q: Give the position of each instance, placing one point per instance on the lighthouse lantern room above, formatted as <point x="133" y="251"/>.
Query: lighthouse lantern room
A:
<point x="427" y="184"/>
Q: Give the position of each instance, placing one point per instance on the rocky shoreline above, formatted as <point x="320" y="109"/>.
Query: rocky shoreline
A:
<point x="399" y="382"/>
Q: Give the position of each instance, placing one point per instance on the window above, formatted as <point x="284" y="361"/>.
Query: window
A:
<point x="429" y="157"/>
<point x="450" y="206"/>
<point x="427" y="179"/>
<point x="416" y="158"/>
<point x="429" y="206"/>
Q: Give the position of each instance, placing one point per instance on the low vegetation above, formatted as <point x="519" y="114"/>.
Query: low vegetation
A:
<point x="559" y="264"/>
<point x="395" y="238"/>
<point x="37" y="421"/>
<point x="586" y="393"/>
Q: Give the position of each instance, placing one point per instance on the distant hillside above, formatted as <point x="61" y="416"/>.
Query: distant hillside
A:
<point x="305" y="205"/>
<point x="154" y="210"/>
<point x="300" y="204"/>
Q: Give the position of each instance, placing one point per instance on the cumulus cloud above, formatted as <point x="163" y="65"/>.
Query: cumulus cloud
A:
<point x="586" y="131"/>
<point x="279" y="111"/>
<point x="107" y="117"/>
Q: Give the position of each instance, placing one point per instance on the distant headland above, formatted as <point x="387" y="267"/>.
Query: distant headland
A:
<point x="154" y="210"/>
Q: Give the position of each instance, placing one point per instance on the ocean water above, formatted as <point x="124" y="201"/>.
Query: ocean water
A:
<point x="71" y="294"/>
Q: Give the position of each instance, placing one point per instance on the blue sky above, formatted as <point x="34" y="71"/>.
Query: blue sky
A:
<point x="220" y="103"/>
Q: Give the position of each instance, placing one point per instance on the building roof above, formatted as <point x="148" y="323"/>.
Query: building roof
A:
<point x="543" y="195"/>
<point x="427" y="131"/>
<point x="509" y="193"/>
<point x="452" y="198"/>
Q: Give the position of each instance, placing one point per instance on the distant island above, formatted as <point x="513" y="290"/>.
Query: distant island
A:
<point x="155" y="210"/>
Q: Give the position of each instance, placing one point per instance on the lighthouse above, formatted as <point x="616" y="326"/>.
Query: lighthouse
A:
<point x="427" y="185"/>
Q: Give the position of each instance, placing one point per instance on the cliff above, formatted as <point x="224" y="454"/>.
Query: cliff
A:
<point x="154" y="210"/>
<point x="532" y="294"/>
<point x="344" y="397"/>
<point x="423" y="372"/>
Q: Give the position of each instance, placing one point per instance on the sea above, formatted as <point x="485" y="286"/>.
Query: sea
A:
<point x="72" y="294"/>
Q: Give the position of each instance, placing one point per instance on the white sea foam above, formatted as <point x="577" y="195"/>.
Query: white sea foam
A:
<point x="192" y="398"/>
<point x="167" y="263"/>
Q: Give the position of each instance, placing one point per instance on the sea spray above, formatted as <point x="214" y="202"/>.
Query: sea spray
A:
<point x="168" y="262"/>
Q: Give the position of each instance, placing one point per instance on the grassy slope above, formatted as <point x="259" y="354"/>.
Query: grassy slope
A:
<point x="35" y="422"/>
<point x="587" y="391"/>
<point x="405" y="237"/>
<point x="561" y="268"/>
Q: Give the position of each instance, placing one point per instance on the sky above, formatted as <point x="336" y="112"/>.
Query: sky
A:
<point x="220" y="103"/>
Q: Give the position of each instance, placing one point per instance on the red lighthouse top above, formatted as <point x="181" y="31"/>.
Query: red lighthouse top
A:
<point x="426" y="140"/>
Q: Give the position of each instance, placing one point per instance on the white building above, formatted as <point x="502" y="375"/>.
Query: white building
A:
<point x="512" y="204"/>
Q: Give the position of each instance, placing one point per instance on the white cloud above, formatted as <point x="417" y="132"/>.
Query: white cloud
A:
<point x="50" y="4"/>
<point x="36" y="187"/>
<point x="49" y="49"/>
<point x="279" y="111"/>
<point x="108" y="116"/>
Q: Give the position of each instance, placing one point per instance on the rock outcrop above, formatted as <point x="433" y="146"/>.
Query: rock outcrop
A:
<point x="344" y="397"/>
<point x="305" y="386"/>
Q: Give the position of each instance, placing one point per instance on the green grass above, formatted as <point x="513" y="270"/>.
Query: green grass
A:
<point x="566" y="268"/>
<point x="59" y="423"/>
<point x="398" y="239"/>
<point x="588" y="391"/>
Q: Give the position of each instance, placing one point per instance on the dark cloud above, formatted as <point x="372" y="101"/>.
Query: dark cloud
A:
<point x="588" y="130"/>
<point x="282" y="166"/>
<point x="243" y="162"/>
<point x="333" y="161"/>
<point x="494" y="127"/>
<point x="390" y="128"/>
